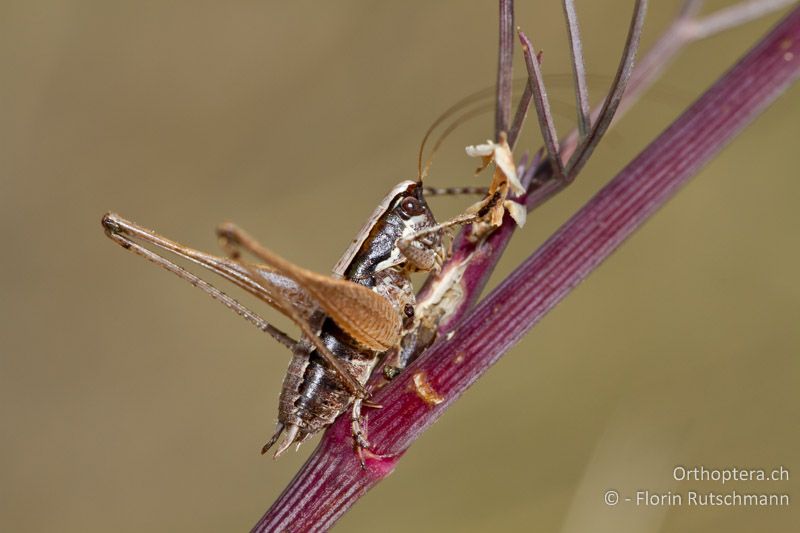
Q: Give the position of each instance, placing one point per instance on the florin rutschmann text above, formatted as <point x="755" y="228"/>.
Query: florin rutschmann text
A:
<point x="695" y="497"/>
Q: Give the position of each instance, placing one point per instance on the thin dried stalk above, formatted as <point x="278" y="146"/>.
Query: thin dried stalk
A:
<point x="520" y="115"/>
<point x="685" y="30"/>
<point x="504" y="68"/>
<point x="595" y="134"/>
<point x="578" y="69"/>
<point x="733" y="16"/>
<point x="612" y="101"/>
<point x="540" y="101"/>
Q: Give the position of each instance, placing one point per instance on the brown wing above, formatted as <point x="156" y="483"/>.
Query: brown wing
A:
<point x="361" y="313"/>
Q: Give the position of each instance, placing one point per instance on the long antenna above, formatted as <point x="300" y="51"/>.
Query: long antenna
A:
<point x="450" y="111"/>
<point x="473" y="98"/>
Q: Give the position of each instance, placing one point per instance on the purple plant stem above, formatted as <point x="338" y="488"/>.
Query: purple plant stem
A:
<point x="332" y="480"/>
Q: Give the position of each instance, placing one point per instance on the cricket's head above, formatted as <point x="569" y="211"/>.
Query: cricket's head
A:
<point x="401" y="233"/>
<point x="421" y="240"/>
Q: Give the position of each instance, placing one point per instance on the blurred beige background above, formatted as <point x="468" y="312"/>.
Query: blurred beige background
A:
<point x="132" y="402"/>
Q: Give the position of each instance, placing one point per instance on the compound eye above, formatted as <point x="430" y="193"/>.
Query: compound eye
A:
<point x="411" y="207"/>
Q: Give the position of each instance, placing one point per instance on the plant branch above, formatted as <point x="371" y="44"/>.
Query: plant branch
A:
<point x="733" y="16"/>
<point x="332" y="480"/>
<point x="504" y="68"/>
<point x="520" y="115"/>
<point x="546" y="124"/>
<point x="612" y="101"/>
<point x="686" y="29"/>
<point x="648" y="69"/>
<point x="578" y="69"/>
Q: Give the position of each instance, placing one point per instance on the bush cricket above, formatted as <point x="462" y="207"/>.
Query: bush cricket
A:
<point x="347" y="319"/>
<point x="366" y="311"/>
<point x="360" y="314"/>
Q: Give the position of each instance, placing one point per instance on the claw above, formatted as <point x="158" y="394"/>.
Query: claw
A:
<point x="273" y="439"/>
<point x="360" y="454"/>
<point x="287" y="440"/>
